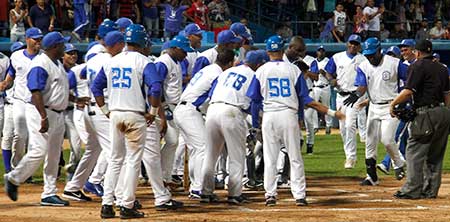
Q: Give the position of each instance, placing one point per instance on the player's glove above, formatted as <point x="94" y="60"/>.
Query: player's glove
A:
<point x="351" y="100"/>
<point x="404" y="111"/>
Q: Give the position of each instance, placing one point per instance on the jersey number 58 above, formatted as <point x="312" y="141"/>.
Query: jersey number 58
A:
<point x="279" y="87"/>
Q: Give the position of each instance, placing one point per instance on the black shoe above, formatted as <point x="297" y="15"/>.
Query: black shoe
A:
<point x="238" y="200"/>
<point x="368" y="182"/>
<point x="54" y="201"/>
<point x="77" y="196"/>
<point x="309" y="149"/>
<point x="10" y="188"/>
<point x="301" y="202"/>
<point x="219" y="184"/>
<point x="400" y="173"/>
<point x="328" y="130"/>
<point x="170" y="205"/>
<point x="126" y="213"/>
<point x="209" y="198"/>
<point x="29" y="180"/>
<point x="271" y="201"/>
<point x="177" y="179"/>
<point x="137" y="205"/>
<point x="400" y="195"/>
<point x="107" y="212"/>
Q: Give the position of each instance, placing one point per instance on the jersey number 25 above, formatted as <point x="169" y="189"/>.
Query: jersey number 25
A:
<point x="121" y="77"/>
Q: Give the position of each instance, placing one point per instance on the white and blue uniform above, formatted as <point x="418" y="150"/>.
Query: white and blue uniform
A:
<point x="321" y="87"/>
<point x="189" y="119"/>
<point x="382" y="84"/>
<point x="282" y="89"/>
<point x="94" y="50"/>
<point x="225" y="123"/>
<point x="204" y="59"/>
<point x="125" y="76"/>
<point x="6" y="118"/>
<point x="50" y="78"/>
<point x="343" y="66"/>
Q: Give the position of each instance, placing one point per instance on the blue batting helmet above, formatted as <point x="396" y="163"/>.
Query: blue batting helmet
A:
<point x="106" y="26"/>
<point x="274" y="43"/>
<point x="136" y="33"/>
<point x="394" y="50"/>
<point x="370" y="46"/>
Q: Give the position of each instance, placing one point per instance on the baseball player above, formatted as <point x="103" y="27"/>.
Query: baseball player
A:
<point x="247" y="40"/>
<point x="99" y="45"/>
<point x="379" y="76"/>
<point x="6" y="122"/>
<point x="189" y="117"/>
<point x="124" y="76"/>
<point x="17" y="75"/>
<point x="122" y="23"/>
<point x="341" y="72"/>
<point x="49" y="86"/>
<point x="225" y="123"/>
<point x="283" y="90"/>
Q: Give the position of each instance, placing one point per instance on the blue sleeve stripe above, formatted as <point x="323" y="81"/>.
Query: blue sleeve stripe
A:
<point x="83" y="73"/>
<point x="360" y="79"/>
<point x="100" y="83"/>
<point x="72" y="80"/>
<point x="254" y="90"/>
<point x="162" y="70"/>
<point x="201" y="99"/>
<point x="200" y="63"/>
<point x="11" y="71"/>
<point x="37" y="79"/>
<point x="213" y="87"/>
<point x="402" y="71"/>
<point x="314" y="67"/>
<point x="331" y="67"/>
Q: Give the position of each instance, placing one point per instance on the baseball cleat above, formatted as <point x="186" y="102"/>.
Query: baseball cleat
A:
<point x="238" y="200"/>
<point x="209" y="198"/>
<point x="194" y="195"/>
<point x="10" y="188"/>
<point x="137" y="205"/>
<point x="170" y="205"/>
<point x="271" y="201"/>
<point x="309" y="149"/>
<point x="400" y="195"/>
<point x="369" y="182"/>
<point x="400" y="173"/>
<point x="350" y="164"/>
<point x="126" y="213"/>
<point x="177" y="180"/>
<point x="381" y="167"/>
<point x="301" y="202"/>
<point x="328" y="130"/>
<point x="107" y="212"/>
<point x="93" y="188"/>
<point x="54" y="201"/>
<point x="76" y="196"/>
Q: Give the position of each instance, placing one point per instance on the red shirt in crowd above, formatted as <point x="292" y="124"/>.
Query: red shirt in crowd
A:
<point x="199" y="12"/>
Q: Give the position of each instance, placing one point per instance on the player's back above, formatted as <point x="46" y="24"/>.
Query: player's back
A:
<point x="198" y="87"/>
<point x="125" y="80"/>
<point x="94" y="65"/>
<point x="82" y="89"/>
<point x="278" y="81"/>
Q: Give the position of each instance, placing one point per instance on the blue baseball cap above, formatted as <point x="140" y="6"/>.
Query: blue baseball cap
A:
<point x="192" y="29"/>
<point x="383" y="51"/>
<point x="113" y="38"/>
<point x="68" y="47"/>
<point x="181" y="42"/>
<point x="256" y="57"/>
<point x="321" y="48"/>
<point x="370" y="46"/>
<point x="274" y="43"/>
<point x="106" y="26"/>
<point x="227" y="36"/>
<point x="16" y="46"/>
<point x="53" y="38"/>
<point x="407" y="43"/>
<point x="241" y="30"/>
<point x="436" y="55"/>
<point x="354" y="38"/>
<point x="123" y="22"/>
<point x="34" y="33"/>
<point x="393" y="49"/>
<point x="165" y="46"/>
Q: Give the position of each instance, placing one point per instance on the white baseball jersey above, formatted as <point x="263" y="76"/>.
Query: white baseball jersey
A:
<point x="232" y="86"/>
<point x="20" y="62"/>
<point x="374" y="23"/>
<point x="94" y="50"/>
<point x="308" y="60"/>
<point x="4" y="64"/>
<point x="197" y="90"/>
<point x="321" y="65"/>
<point x="82" y="89"/>
<point x="56" y="91"/>
<point x="125" y="80"/>
<point x="191" y="57"/>
<point x="344" y="66"/>
<point x="208" y="56"/>
<point x="93" y="66"/>
<point x="339" y="20"/>
<point x="381" y="81"/>
<point x="173" y="81"/>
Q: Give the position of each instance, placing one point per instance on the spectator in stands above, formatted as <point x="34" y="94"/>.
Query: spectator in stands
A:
<point x="285" y="31"/>
<point x="41" y="16"/>
<point x="326" y="31"/>
<point x="419" y="11"/>
<point x="173" y="18"/>
<point x="98" y="12"/>
<point x="360" y="21"/>
<point x="401" y="14"/>
<point x="218" y="14"/>
<point x="447" y="32"/>
<point x="199" y="14"/>
<point x="4" y="6"/>
<point x="151" y="17"/>
<point x="350" y="8"/>
<point x="384" y="33"/>
<point x="422" y="33"/>
<point x="16" y="24"/>
<point x="373" y="15"/>
<point x="339" y="23"/>
<point x="437" y="32"/>
<point x="80" y="18"/>
<point x="399" y="32"/>
<point x="129" y="9"/>
<point x="311" y="7"/>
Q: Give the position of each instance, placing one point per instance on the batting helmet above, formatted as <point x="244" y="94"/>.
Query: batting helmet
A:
<point x="274" y="43"/>
<point x="123" y="22"/>
<point x="106" y="26"/>
<point x="394" y="50"/>
<point x="370" y="46"/>
<point x="136" y="33"/>
<point x="404" y="111"/>
<point x="181" y="42"/>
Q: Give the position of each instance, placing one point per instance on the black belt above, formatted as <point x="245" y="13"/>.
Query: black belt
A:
<point x="93" y="103"/>
<point x="322" y="86"/>
<point x="383" y="103"/>
<point x="54" y="110"/>
<point x="70" y="108"/>
<point x="310" y="90"/>
<point x="345" y="93"/>
<point x="184" y="103"/>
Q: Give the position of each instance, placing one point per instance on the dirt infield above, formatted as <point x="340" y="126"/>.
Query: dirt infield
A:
<point x="331" y="199"/>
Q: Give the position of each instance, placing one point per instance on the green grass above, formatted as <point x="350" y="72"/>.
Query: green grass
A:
<point x="327" y="160"/>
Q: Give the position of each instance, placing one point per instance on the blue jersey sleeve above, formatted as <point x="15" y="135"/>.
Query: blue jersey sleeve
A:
<point x="90" y="56"/>
<point x="402" y="71"/>
<point x="254" y="92"/>
<point x="11" y="71"/>
<point x="303" y="95"/>
<point x="99" y="84"/>
<point x="149" y="71"/>
<point x="157" y="79"/>
<point x="360" y="79"/>
<point x="330" y="67"/>
<point x="83" y="73"/>
<point x="213" y="87"/>
<point x="37" y="79"/>
<point x="199" y="64"/>
<point x="314" y="67"/>
<point x="72" y="79"/>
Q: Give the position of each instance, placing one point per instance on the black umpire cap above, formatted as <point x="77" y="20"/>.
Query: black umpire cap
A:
<point x="424" y="46"/>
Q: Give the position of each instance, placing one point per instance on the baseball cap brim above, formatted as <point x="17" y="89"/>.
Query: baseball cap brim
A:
<point x="369" y="51"/>
<point x="187" y="49"/>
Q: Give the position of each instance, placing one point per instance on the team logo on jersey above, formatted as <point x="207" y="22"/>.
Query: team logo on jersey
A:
<point x="128" y="33"/>
<point x="341" y="67"/>
<point x="19" y="68"/>
<point x="386" y="75"/>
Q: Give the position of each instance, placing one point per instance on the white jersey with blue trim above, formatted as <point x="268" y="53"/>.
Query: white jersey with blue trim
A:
<point x="197" y="89"/>
<point x="346" y="70"/>
<point x="191" y="57"/>
<point x="381" y="80"/>
<point x="56" y="91"/>
<point x="278" y="80"/>
<point x="96" y="49"/>
<point x="20" y="62"/>
<point x="321" y="65"/>
<point x="173" y="83"/>
<point x="93" y="66"/>
<point x="125" y="79"/>
<point x="82" y="89"/>
<point x="232" y="86"/>
<point x="210" y="54"/>
<point x="308" y="60"/>
<point x="4" y="64"/>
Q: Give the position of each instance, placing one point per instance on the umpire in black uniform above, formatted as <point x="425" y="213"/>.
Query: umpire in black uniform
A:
<point x="428" y="87"/>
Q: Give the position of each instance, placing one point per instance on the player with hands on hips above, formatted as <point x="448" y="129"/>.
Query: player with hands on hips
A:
<point x="281" y="87"/>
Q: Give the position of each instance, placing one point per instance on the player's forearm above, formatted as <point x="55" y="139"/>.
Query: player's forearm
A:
<point x="38" y="102"/>
<point x="100" y="100"/>
<point x="404" y="95"/>
<point x="155" y="101"/>
<point x="318" y="106"/>
<point x="361" y="90"/>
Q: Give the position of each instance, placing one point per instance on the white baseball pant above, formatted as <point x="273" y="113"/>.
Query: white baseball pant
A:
<point x="178" y="163"/>
<point x="192" y="127"/>
<point x="42" y="146"/>
<point x="286" y="130"/>
<point x="381" y="127"/>
<point x="169" y="148"/>
<point x="362" y="123"/>
<point x="224" y="124"/>
<point x="74" y="138"/>
<point x="323" y="95"/>
<point x="8" y="136"/>
<point x="101" y="125"/>
<point x="128" y="133"/>
<point x="20" y="140"/>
